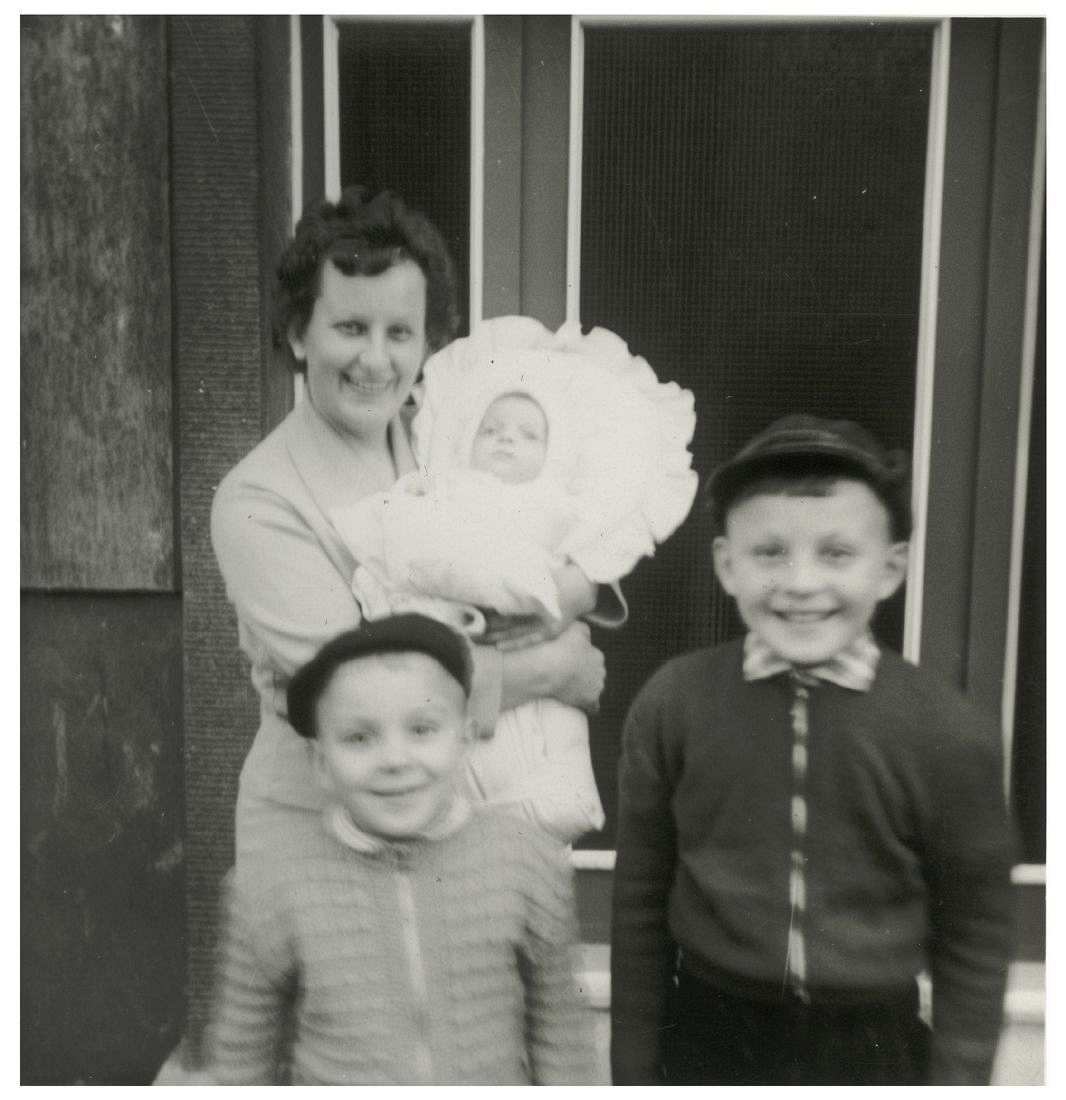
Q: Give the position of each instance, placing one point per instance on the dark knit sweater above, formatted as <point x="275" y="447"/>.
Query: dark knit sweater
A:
<point x="908" y="850"/>
<point x="437" y="962"/>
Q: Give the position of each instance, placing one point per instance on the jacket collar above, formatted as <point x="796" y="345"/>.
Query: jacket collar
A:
<point x="853" y="667"/>
<point x="342" y="828"/>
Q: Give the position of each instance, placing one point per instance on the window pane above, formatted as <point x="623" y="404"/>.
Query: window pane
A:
<point x="752" y="202"/>
<point x="405" y="121"/>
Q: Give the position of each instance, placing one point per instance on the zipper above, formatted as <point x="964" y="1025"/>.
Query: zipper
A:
<point x="795" y="976"/>
<point x="423" y="1059"/>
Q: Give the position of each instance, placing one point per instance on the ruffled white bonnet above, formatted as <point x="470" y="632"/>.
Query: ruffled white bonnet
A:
<point x="617" y="437"/>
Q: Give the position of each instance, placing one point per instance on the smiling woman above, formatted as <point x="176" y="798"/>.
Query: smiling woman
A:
<point x="365" y="291"/>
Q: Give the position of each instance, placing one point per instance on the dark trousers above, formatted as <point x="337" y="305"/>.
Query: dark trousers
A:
<point x="720" y="1038"/>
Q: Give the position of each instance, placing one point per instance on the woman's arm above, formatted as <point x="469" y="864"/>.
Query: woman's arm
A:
<point x="290" y="598"/>
<point x="568" y="668"/>
<point x="579" y="598"/>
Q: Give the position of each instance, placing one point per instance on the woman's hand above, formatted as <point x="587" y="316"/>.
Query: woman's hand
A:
<point x="583" y="672"/>
<point x="577" y="597"/>
<point x="568" y="668"/>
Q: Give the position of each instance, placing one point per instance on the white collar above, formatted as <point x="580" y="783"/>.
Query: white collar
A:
<point x="341" y="826"/>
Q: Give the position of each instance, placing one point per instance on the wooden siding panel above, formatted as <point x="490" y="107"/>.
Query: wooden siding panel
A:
<point x="96" y="475"/>
<point x="218" y="258"/>
<point x="101" y="837"/>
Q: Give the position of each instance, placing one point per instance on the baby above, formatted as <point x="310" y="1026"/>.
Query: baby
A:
<point x="534" y="455"/>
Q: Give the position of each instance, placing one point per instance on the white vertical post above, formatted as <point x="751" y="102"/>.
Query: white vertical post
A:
<point x="477" y="169"/>
<point x="573" y="205"/>
<point x="296" y="118"/>
<point x="296" y="156"/>
<point x="926" y="360"/>
<point x="331" y="128"/>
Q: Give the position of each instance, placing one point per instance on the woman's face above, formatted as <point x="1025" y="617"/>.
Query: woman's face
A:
<point x="364" y="346"/>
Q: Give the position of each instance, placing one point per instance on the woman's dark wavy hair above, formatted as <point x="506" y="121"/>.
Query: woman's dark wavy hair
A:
<point x="364" y="235"/>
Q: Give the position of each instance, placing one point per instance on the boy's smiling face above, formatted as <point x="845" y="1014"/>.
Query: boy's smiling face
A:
<point x="391" y="732"/>
<point x="808" y="572"/>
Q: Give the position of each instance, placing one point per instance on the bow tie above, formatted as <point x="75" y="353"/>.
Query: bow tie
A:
<point x="853" y="667"/>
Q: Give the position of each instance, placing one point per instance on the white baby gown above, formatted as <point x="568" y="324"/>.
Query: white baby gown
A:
<point x="616" y="481"/>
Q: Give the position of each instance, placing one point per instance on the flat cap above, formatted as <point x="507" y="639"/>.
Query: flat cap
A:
<point x="801" y="442"/>
<point x="406" y="633"/>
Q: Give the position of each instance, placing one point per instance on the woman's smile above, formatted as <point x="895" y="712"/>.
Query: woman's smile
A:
<point x="371" y="386"/>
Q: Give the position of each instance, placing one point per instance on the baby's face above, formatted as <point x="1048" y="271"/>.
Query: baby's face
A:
<point x="512" y="439"/>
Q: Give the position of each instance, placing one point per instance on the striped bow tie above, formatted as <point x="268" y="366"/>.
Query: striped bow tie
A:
<point x="853" y="667"/>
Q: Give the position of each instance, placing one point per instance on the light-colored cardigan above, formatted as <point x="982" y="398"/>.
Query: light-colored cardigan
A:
<point x="288" y="575"/>
<point x="446" y="961"/>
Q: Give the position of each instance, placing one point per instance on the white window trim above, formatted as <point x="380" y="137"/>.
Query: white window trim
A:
<point x="331" y="108"/>
<point x="573" y="188"/>
<point x="602" y="859"/>
<point x="925" y="365"/>
<point x="296" y="154"/>
<point x="477" y="170"/>
<point x="296" y="120"/>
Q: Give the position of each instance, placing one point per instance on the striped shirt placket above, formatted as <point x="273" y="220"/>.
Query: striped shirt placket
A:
<point x="853" y="668"/>
<point x="796" y="958"/>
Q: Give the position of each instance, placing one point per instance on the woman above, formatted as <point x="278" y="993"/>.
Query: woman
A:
<point x="365" y="292"/>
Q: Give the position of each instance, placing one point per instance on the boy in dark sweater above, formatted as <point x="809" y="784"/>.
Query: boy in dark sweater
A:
<point x="808" y="822"/>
